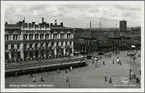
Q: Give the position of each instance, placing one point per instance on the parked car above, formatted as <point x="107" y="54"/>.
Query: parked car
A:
<point x="89" y="57"/>
<point x="101" y="53"/>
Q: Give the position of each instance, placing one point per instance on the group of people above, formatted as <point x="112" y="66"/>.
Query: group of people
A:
<point x="133" y="76"/>
<point x="110" y="80"/>
<point x="66" y="71"/>
<point x="34" y="80"/>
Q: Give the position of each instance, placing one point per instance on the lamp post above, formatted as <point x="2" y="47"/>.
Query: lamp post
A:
<point x="131" y="57"/>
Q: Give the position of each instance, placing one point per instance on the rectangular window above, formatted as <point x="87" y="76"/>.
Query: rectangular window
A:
<point x="36" y="36"/>
<point x="47" y="36"/>
<point x="30" y="45"/>
<point x="55" y="36"/>
<point x="31" y="37"/>
<point x="25" y="37"/>
<point x="15" y="46"/>
<point x="6" y="37"/>
<point x="18" y="46"/>
<point x="12" y="46"/>
<point x="68" y="35"/>
<point x="6" y="46"/>
<point x="61" y="36"/>
<point x="41" y="36"/>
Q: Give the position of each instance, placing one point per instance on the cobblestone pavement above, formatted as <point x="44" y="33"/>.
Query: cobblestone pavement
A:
<point x="84" y="77"/>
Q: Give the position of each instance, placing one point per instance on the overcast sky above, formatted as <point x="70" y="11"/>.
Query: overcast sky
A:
<point x="76" y="15"/>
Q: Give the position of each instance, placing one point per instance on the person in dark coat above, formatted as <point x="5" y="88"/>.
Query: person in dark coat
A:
<point x="110" y="81"/>
<point x="103" y="62"/>
<point x="105" y="78"/>
<point x="31" y="75"/>
<point x="65" y="71"/>
<point x="113" y="61"/>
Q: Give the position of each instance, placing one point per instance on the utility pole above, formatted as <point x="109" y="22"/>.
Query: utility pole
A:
<point x="90" y="45"/>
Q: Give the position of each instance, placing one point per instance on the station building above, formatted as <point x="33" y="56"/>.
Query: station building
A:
<point x="30" y="41"/>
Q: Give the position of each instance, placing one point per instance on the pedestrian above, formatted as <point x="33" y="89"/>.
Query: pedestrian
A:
<point x="103" y="62"/>
<point x="65" y="71"/>
<point x="134" y="76"/>
<point x="131" y="75"/>
<point x="41" y="78"/>
<point x="100" y="58"/>
<point x="113" y="61"/>
<point x="138" y="55"/>
<point x="67" y="79"/>
<point x="137" y="80"/>
<point x="110" y="81"/>
<point x="105" y="78"/>
<point x="71" y="68"/>
<point x="31" y="75"/>
<point x="16" y="74"/>
<point x="33" y="80"/>
<point x="140" y="72"/>
<point x="58" y="71"/>
<point x="118" y="60"/>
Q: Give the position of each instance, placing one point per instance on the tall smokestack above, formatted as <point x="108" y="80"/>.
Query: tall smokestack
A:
<point x="90" y="26"/>
<point x="91" y="29"/>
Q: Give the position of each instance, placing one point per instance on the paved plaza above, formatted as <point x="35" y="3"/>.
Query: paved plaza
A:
<point x="84" y="77"/>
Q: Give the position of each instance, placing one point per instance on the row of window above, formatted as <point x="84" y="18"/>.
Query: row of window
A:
<point x="37" y="36"/>
<point x="17" y="46"/>
<point x="14" y="37"/>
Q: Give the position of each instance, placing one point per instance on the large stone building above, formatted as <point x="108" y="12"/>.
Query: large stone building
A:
<point x="30" y="41"/>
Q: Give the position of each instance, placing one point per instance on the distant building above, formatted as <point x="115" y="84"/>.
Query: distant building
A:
<point x="30" y="41"/>
<point x="123" y="25"/>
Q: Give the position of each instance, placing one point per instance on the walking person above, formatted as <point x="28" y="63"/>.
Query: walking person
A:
<point x="106" y="78"/>
<point x="31" y="75"/>
<point x="71" y="68"/>
<point x="118" y="60"/>
<point x="33" y="80"/>
<point x="137" y="80"/>
<point x="16" y="74"/>
<point x="113" y="61"/>
<point x="103" y="62"/>
<point x="110" y="81"/>
<point x="58" y="71"/>
<point x="65" y="70"/>
<point x="41" y="78"/>
<point x="67" y="79"/>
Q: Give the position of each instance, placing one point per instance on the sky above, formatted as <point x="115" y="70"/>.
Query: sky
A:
<point x="76" y="15"/>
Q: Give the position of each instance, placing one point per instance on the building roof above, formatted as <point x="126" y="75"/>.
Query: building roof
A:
<point x="85" y="34"/>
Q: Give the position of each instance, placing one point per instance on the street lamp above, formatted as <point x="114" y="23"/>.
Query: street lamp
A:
<point x="131" y="57"/>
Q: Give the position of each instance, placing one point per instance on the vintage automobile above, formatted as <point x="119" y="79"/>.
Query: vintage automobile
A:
<point x="101" y="53"/>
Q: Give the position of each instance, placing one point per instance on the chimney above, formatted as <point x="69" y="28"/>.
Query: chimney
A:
<point x="90" y="26"/>
<point x="51" y="24"/>
<point x="24" y="20"/>
<point x="42" y="20"/>
<point x="61" y="24"/>
<point x="6" y="23"/>
<point x="55" y="22"/>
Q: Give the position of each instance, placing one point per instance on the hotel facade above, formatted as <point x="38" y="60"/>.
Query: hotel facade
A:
<point x="30" y="41"/>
